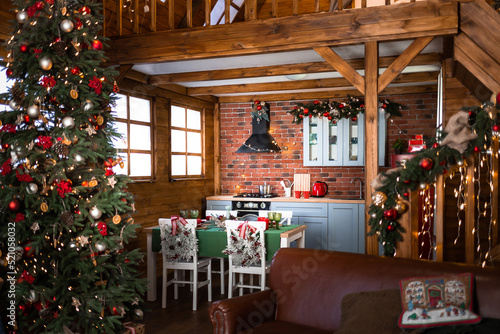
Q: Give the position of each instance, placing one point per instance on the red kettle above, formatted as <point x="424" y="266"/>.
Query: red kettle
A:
<point x="319" y="189"/>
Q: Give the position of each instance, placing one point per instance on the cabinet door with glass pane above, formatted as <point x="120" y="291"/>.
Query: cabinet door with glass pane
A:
<point x="313" y="132"/>
<point x="354" y="136"/>
<point x="332" y="143"/>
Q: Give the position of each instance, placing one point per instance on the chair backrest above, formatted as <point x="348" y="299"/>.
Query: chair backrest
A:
<point x="217" y="213"/>
<point x="284" y="215"/>
<point x="189" y="244"/>
<point x="249" y="257"/>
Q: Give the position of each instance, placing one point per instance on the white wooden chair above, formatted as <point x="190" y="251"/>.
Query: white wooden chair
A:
<point x="284" y="215"/>
<point x="188" y="261"/>
<point x="222" y="272"/>
<point x="261" y="267"/>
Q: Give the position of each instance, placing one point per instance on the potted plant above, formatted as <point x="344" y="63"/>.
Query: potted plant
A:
<point x="399" y="146"/>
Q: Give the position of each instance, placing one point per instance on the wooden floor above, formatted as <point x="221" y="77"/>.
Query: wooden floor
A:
<point x="178" y="317"/>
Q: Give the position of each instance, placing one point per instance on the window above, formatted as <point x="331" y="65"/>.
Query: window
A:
<point x="186" y="142"/>
<point x="4" y="87"/>
<point x="133" y="116"/>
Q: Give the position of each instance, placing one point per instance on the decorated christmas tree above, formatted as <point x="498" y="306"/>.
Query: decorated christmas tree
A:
<point x="66" y="215"/>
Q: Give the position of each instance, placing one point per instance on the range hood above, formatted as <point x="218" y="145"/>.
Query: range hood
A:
<point x="260" y="141"/>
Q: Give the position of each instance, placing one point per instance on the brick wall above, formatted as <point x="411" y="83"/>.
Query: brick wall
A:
<point x="249" y="170"/>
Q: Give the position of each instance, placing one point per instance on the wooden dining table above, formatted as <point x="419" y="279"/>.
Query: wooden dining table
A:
<point x="212" y="241"/>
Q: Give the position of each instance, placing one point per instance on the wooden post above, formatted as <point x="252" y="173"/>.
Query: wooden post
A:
<point x="469" y="212"/>
<point x="217" y="152"/>
<point x="439" y="216"/>
<point x="153" y="15"/>
<point x="295" y="7"/>
<point x="316" y="6"/>
<point x="189" y="13"/>
<point x="136" y="17"/>
<point x="208" y="10"/>
<point x="171" y="15"/>
<point x="409" y="221"/>
<point x="275" y="8"/>
<point x="371" y="132"/>
<point x="340" y="5"/>
<point x="227" y="13"/>
<point x="494" y="194"/>
<point x="119" y="17"/>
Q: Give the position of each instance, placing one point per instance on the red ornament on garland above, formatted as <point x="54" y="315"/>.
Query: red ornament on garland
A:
<point x="477" y="149"/>
<point x="75" y="70"/>
<point x="14" y="205"/>
<point x="498" y="98"/>
<point x="426" y="163"/>
<point x="390" y="227"/>
<point x="384" y="105"/>
<point x="96" y="45"/>
<point x="85" y="10"/>
<point x="435" y="145"/>
<point x="406" y="194"/>
<point x="390" y="214"/>
<point x="9" y="72"/>
<point x="354" y="118"/>
<point x="495" y="128"/>
<point x="23" y="48"/>
<point x="39" y="5"/>
<point x="259" y="107"/>
<point x="26" y="118"/>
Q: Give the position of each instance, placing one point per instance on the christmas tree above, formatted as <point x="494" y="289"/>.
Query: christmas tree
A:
<point x="66" y="215"/>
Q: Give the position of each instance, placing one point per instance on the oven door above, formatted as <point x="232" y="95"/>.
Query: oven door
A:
<point x="249" y="210"/>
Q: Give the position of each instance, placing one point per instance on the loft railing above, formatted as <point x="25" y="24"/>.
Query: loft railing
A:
<point x="126" y="17"/>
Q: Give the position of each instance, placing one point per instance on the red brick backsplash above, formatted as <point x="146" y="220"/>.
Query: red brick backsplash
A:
<point x="247" y="170"/>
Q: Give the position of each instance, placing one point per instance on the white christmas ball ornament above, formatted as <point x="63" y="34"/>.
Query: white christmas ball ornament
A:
<point x="95" y="213"/>
<point x="72" y="245"/>
<point x="13" y="104"/>
<point x="88" y="105"/>
<point x="66" y="25"/>
<point x="78" y="158"/>
<point x="32" y="188"/>
<point x="100" y="246"/>
<point x="33" y="111"/>
<point x="68" y="122"/>
<point x="22" y="16"/>
<point x="45" y="63"/>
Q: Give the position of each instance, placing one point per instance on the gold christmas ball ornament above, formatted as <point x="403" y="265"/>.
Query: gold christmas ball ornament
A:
<point x="66" y="25"/>
<point x="379" y="198"/>
<point x="400" y="207"/>
<point x="45" y="63"/>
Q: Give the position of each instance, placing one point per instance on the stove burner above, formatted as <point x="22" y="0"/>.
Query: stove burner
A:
<point x="256" y="195"/>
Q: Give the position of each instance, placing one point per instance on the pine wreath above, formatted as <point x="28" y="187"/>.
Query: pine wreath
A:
<point x="245" y="251"/>
<point x="182" y="246"/>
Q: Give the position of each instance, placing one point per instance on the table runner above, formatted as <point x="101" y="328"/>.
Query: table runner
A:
<point x="213" y="240"/>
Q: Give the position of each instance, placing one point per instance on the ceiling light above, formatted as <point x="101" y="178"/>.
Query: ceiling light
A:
<point x="295" y="76"/>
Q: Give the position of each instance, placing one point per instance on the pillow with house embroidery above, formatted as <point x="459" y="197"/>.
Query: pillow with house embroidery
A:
<point x="437" y="301"/>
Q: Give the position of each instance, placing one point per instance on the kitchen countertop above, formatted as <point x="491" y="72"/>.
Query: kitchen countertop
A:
<point x="325" y="199"/>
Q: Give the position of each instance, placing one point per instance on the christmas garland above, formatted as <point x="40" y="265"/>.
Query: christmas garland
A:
<point x="260" y="111"/>
<point x="335" y="111"/>
<point x="183" y="245"/>
<point x="220" y="221"/>
<point x="245" y="251"/>
<point x="469" y="131"/>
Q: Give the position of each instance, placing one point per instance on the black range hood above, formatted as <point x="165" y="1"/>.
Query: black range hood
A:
<point x="260" y="141"/>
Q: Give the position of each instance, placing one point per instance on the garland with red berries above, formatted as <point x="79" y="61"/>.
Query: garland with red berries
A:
<point x="336" y="111"/>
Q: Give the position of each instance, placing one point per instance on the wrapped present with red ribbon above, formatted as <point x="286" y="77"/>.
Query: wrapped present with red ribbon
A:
<point x="416" y="143"/>
<point x="264" y="219"/>
<point x="134" y="328"/>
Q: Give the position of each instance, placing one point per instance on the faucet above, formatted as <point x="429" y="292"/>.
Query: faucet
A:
<point x="360" y="186"/>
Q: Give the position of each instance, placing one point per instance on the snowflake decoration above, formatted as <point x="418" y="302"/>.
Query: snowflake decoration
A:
<point x="111" y="182"/>
<point x="76" y="303"/>
<point x="183" y="245"/>
<point x="245" y="251"/>
<point x="35" y="227"/>
<point x="90" y="130"/>
<point x="83" y="240"/>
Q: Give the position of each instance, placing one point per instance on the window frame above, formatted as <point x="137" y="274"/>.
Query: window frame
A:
<point x="201" y="110"/>
<point x="152" y="125"/>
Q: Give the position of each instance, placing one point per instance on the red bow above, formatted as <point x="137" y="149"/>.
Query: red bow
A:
<point x="243" y="229"/>
<point x="175" y="220"/>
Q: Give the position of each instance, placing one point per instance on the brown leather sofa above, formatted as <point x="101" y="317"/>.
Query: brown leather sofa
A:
<point x="307" y="287"/>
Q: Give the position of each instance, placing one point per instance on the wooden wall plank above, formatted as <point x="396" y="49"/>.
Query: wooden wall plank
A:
<point x="343" y="67"/>
<point x="371" y="132"/>
<point x="483" y="60"/>
<point x="295" y="7"/>
<point x="274" y="10"/>
<point x="279" y="34"/>
<point x="402" y="61"/>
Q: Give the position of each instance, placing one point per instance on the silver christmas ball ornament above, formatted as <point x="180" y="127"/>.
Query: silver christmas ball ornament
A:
<point x="139" y="313"/>
<point x="78" y="158"/>
<point x="88" y="105"/>
<point x="22" y="16"/>
<point x="32" y="188"/>
<point x="33" y="111"/>
<point x="95" y="213"/>
<point x="13" y="104"/>
<point x="45" y="63"/>
<point x="66" y="25"/>
<point x="100" y="246"/>
<point x="68" y="122"/>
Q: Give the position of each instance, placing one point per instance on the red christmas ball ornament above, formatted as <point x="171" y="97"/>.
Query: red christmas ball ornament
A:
<point x="28" y="252"/>
<point x="390" y="227"/>
<point x="39" y="5"/>
<point x="333" y="122"/>
<point x="390" y="214"/>
<point x="108" y="163"/>
<point x="477" y="149"/>
<point x="406" y="194"/>
<point x="257" y="102"/>
<point x="259" y="107"/>
<point x="75" y="70"/>
<point x="26" y="118"/>
<point x="301" y="116"/>
<point x="354" y="118"/>
<point x="9" y="72"/>
<point x="341" y="106"/>
<point x="426" y="163"/>
<point x="306" y="111"/>
<point x="57" y="39"/>
<point x="96" y="45"/>
<point x="407" y="181"/>
<point x="23" y="48"/>
<point x="5" y="146"/>
<point x="384" y="105"/>
<point x="435" y="145"/>
<point x="84" y="10"/>
<point x="14" y="205"/>
<point x="495" y="128"/>
<point x="310" y="116"/>
<point x="325" y="114"/>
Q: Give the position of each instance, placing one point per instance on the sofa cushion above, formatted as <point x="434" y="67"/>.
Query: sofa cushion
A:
<point x="370" y="312"/>
<point x="437" y="300"/>
<point x="274" y="327"/>
<point x="486" y="326"/>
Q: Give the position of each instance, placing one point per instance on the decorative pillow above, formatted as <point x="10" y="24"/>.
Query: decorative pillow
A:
<point x="437" y="301"/>
<point x="370" y="312"/>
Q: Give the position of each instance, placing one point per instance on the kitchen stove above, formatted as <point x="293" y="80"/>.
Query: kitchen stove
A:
<point x="256" y="195"/>
<point x="249" y="209"/>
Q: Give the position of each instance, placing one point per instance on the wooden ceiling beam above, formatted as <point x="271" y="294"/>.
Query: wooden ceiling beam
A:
<point x="254" y="72"/>
<point x="402" y="61"/>
<point x="334" y="94"/>
<point x="342" y="67"/>
<point x="302" y="84"/>
<point x="384" y="23"/>
<point x="122" y="71"/>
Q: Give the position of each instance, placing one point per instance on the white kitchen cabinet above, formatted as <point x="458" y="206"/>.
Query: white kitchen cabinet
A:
<point x="340" y="144"/>
<point x="346" y="227"/>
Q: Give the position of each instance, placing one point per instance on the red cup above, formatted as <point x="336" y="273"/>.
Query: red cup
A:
<point x="297" y="194"/>
<point x="306" y="194"/>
